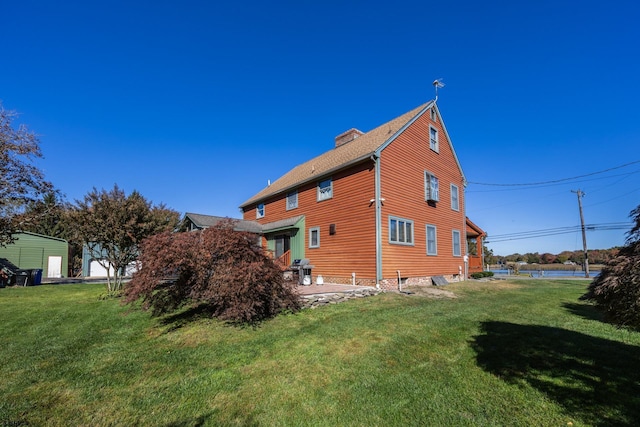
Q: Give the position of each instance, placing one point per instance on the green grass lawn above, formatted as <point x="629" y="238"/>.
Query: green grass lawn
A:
<point x="524" y="353"/>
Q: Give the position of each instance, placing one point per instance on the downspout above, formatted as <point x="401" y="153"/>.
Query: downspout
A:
<point x="378" y="213"/>
<point x="464" y="227"/>
<point x="481" y="237"/>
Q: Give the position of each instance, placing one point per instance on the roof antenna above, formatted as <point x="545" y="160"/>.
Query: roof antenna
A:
<point x="437" y="83"/>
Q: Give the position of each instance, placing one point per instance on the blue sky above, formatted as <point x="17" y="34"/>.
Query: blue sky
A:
<point x="197" y="103"/>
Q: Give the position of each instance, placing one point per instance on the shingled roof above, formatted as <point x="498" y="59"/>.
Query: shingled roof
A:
<point x="339" y="157"/>
<point x="205" y="221"/>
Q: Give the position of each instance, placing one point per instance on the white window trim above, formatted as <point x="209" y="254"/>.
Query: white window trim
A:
<point x="311" y="230"/>
<point x="429" y="179"/>
<point x="258" y="213"/>
<point x="291" y="206"/>
<point x="436" y="145"/>
<point x="453" y="243"/>
<point x="457" y="199"/>
<point x="330" y="192"/>
<point x="405" y="221"/>
<point x="435" y="235"/>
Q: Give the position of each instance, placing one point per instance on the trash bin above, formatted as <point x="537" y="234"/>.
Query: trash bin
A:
<point x="23" y="278"/>
<point x="36" y="276"/>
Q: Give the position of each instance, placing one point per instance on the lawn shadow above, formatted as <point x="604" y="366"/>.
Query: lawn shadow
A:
<point x="586" y="311"/>
<point x="194" y="422"/>
<point x="596" y="380"/>
<point x="175" y="321"/>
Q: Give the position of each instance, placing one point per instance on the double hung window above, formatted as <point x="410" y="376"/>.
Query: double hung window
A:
<point x="433" y="139"/>
<point x="314" y="237"/>
<point x="432" y="245"/>
<point x="431" y="187"/>
<point x="456" y="242"/>
<point x="325" y="189"/>
<point x="455" y="198"/>
<point x="292" y="200"/>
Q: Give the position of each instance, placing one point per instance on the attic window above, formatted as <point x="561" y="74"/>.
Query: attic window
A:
<point x="433" y="139"/>
<point x="433" y="114"/>
<point x="260" y="211"/>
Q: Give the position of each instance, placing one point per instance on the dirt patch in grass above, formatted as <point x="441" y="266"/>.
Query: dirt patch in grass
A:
<point x="489" y="284"/>
<point x="428" y="292"/>
<point x="450" y="290"/>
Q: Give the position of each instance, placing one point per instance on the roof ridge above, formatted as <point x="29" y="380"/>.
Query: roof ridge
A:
<point x="337" y="157"/>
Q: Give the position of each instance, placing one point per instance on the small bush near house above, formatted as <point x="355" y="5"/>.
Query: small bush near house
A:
<point x="481" y="274"/>
<point x="218" y="269"/>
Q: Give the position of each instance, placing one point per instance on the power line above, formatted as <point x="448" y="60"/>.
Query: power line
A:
<point x="533" y="186"/>
<point x="557" y="231"/>
<point x="570" y="228"/>
<point x="555" y="181"/>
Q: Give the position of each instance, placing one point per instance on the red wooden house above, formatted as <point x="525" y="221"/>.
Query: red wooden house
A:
<point x="380" y="208"/>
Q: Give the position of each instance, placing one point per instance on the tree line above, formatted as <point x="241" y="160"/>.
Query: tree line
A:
<point x="596" y="256"/>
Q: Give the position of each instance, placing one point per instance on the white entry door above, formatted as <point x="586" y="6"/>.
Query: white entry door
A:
<point x="54" y="268"/>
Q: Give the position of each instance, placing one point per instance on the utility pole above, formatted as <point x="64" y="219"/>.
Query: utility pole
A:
<point x="584" y="234"/>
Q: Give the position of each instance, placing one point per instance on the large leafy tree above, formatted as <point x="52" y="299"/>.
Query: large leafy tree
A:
<point x="113" y="225"/>
<point x="45" y="216"/>
<point x="616" y="290"/>
<point x="21" y="182"/>
<point x="220" y="270"/>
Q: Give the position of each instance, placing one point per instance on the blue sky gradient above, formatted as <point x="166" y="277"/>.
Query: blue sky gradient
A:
<point x="197" y="104"/>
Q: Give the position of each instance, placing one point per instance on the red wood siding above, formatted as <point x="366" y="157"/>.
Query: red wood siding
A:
<point x="403" y="164"/>
<point x="352" y="248"/>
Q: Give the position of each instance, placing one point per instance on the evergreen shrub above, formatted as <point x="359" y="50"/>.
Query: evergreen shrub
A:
<point x="481" y="274"/>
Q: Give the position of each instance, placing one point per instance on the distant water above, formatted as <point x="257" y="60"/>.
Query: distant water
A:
<point x="550" y="273"/>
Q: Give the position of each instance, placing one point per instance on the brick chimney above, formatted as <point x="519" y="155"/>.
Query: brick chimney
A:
<point x="347" y="136"/>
